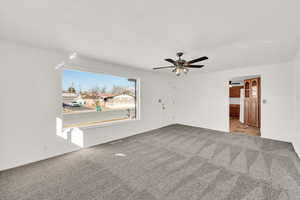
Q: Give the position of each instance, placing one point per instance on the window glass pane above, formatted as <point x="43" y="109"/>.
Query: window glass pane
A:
<point x="247" y="89"/>
<point x="254" y="89"/>
<point x="93" y="98"/>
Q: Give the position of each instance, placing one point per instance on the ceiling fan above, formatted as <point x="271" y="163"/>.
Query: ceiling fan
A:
<point x="181" y="65"/>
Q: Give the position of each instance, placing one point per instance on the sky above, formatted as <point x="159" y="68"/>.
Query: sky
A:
<point x="87" y="80"/>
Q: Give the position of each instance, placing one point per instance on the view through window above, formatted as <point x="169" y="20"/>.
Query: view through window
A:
<point x="93" y="98"/>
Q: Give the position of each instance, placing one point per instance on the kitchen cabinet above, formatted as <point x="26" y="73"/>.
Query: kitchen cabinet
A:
<point x="234" y="111"/>
<point x="235" y="91"/>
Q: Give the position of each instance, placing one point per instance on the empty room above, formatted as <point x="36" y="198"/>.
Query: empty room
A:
<point x="149" y="100"/>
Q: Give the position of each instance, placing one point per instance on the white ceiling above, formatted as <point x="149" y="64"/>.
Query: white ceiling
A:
<point x="141" y="33"/>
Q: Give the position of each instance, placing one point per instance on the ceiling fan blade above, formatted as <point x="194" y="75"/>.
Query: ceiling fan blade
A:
<point x="194" y="66"/>
<point x="197" y="60"/>
<point x="170" y="61"/>
<point x="163" y="67"/>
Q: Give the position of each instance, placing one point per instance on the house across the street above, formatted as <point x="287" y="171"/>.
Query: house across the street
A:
<point x="120" y="101"/>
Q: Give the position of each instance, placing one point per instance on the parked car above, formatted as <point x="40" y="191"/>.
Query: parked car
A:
<point x="74" y="104"/>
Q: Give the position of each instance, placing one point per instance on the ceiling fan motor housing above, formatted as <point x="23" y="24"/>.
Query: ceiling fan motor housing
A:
<point x="179" y="54"/>
<point x="180" y="62"/>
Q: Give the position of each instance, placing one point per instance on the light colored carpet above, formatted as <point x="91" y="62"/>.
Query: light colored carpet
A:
<point x="172" y="163"/>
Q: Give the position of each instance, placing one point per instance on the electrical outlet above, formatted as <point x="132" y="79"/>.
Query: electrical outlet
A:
<point x="45" y="148"/>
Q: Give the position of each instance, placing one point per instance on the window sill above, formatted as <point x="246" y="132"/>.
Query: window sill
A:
<point x="104" y="124"/>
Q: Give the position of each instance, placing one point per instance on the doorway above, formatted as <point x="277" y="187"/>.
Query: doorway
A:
<point x="244" y="105"/>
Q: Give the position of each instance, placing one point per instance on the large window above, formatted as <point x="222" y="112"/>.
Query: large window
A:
<point x="93" y="99"/>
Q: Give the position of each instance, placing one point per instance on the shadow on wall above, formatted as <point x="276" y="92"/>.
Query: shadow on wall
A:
<point x="71" y="135"/>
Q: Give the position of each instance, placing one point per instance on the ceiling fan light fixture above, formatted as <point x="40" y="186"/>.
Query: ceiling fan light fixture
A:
<point x="185" y="70"/>
<point x="178" y="71"/>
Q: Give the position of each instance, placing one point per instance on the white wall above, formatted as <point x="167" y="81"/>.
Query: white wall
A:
<point x="30" y="104"/>
<point x="202" y="99"/>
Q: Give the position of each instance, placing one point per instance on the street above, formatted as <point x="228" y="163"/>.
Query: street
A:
<point x="79" y="108"/>
<point x="86" y="117"/>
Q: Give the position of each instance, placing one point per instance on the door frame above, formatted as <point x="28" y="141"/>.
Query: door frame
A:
<point x="246" y="76"/>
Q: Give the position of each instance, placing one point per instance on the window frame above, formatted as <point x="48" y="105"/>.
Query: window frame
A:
<point x="104" y="124"/>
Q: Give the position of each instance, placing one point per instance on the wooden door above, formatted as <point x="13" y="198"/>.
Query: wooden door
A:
<point x="252" y="102"/>
<point x="247" y="102"/>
